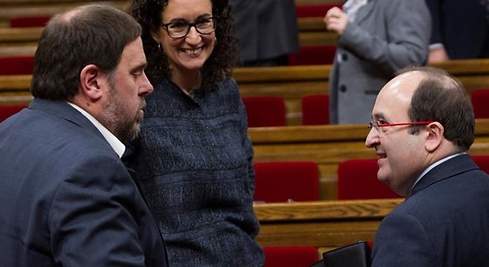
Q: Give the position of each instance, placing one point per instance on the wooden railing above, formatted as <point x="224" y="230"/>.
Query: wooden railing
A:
<point x="290" y="82"/>
<point x="13" y="41"/>
<point x="25" y="8"/>
<point x="324" y="224"/>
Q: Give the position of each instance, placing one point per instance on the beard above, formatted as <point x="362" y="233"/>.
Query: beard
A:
<point x="118" y="118"/>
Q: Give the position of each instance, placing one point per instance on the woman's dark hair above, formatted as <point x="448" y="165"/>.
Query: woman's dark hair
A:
<point x="92" y="34"/>
<point x="223" y="58"/>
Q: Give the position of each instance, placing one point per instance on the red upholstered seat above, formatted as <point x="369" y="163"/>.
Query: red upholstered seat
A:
<point x="30" y="21"/>
<point x="357" y="179"/>
<point x="265" y="111"/>
<point x="287" y="180"/>
<point x="480" y="102"/>
<point x="290" y="256"/>
<point x="313" y="55"/>
<point x="16" y="65"/>
<point x="9" y="110"/>
<point x="317" y="10"/>
<point x="482" y="161"/>
<point x="315" y="109"/>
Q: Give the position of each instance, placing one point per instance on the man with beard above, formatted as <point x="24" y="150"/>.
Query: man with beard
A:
<point x="66" y="199"/>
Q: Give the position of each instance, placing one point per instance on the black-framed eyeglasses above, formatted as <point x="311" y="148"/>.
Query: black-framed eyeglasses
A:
<point x="179" y="28"/>
<point x="381" y="124"/>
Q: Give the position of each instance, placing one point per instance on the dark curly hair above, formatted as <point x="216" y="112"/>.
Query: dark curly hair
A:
<point x="217" y="67"/>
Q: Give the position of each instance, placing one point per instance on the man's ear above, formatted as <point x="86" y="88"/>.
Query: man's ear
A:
<point x="92" y="80"/>
<point x="434" y="136"/>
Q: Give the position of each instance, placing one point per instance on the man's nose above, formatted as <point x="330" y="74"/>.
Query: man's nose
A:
<point x="372" y="138"/>
<point x="147" y="87"/>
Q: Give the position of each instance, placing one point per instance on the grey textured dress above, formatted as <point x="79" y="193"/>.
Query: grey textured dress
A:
<point x="193" y="164"/>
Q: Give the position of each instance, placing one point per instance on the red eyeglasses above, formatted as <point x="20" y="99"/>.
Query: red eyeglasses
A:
<point x="380" y="124"/>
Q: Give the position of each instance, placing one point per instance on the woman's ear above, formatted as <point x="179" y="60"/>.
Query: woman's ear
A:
<point x="434" y="136"/>
<point x="156" y="36"/>
<point x="91" y="83"/>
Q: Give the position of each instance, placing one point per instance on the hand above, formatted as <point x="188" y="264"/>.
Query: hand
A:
<point x="336" y="20"/>
<point x="437" y="55"/>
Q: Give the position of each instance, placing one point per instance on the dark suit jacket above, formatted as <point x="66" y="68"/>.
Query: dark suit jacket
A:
<point x="65" y="197"/>
<point x="461" y="26"/>
<point x="445" y="221"/>
<point x="266" y="28"/>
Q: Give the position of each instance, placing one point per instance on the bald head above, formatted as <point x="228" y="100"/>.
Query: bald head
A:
<point x="430" y="94"/>
<point x="419" y="117"/>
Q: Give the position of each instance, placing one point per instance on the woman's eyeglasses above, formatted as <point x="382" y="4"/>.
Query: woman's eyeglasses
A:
<point x="179" y="28"/>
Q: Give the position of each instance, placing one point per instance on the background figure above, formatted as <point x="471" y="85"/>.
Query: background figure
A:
<point x="422" y="127"/>
<point x="66" y="198"/>
<point x="377" y="38"/>
<point x="267" y="31"/>
<point x="460" y="29"/>
<point x="194" y="159"/>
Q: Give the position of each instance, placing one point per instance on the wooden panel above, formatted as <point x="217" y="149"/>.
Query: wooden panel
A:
<point x="326" y="224"/>
<point x="22" y="8"/>
<point x="293" y="82"/>
<point x="24" y="49"/>
<point x="317" y="38"/>
<point x="310" y="35"/>
<point x="19" y="35"/>
<point x="311" y="24"/>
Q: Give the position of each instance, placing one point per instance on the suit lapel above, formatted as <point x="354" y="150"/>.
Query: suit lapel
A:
<point x="446" y="170"/>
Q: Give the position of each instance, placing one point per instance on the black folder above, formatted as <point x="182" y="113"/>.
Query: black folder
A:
<point x="352" y="255"/>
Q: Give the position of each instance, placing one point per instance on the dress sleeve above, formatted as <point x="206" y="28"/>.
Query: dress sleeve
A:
<point x="247" y="145"/>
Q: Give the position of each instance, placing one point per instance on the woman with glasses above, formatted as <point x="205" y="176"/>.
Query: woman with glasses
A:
<point x="193" y="161"/>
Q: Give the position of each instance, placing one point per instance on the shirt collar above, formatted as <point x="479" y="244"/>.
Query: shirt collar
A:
<point x="115" y="143"/>
<point x="434" y="165"/>
<point x="351" y="8"/>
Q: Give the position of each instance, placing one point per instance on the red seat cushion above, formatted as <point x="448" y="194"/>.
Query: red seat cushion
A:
<point x="482" y="161"/>
<point x="315" y="109"/>
<point x="16" y="65"/>
<point x="316" y="10"/>
<point x="313" y="55"/>
<point x="31" y="21"/>
<point x="9" y="110"/>
<point x="357" y="179"/>
<point x="265" y="111"/>
<point x="480" y="100"/>
<point x="287" y="180"/>
<point x="290" y="256"/>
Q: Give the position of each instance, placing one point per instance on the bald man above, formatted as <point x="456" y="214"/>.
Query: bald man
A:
<point x="421" y="129"/>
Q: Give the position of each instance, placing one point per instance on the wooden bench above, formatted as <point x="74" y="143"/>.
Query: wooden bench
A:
<point x="290" y="82"/>
<point x="329" y="145"/>
<point x="323" y="224"/>
<point x="293" y="82"/>
<point x="312" y="32"/>
<point x="25" y="8"/>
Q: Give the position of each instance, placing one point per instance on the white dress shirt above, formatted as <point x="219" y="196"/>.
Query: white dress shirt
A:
<point x="115" y="143"/>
